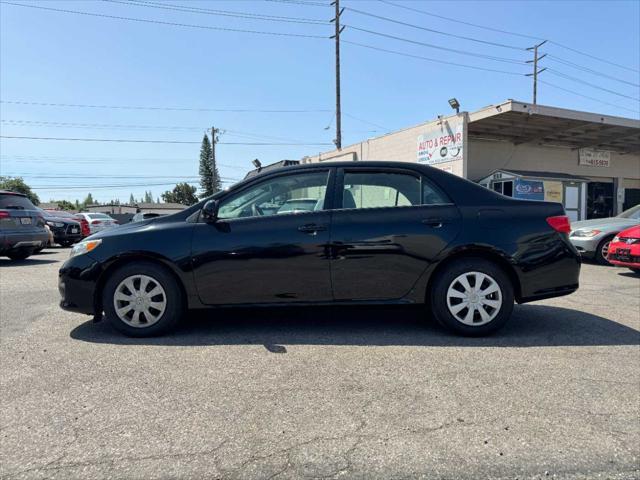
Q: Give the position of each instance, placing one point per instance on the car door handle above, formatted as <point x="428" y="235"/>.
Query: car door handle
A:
<point x="312" y="228"/>
<point x="434" y="222"/>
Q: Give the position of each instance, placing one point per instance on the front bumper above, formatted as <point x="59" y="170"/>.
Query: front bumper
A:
<point x="77" y="284"/>
<point x="587" y="246"/>
<point x="632" y="260"/>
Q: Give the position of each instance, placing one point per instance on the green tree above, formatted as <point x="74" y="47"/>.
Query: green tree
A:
<point x="182" y="193"/>
<point x="88" y="200"/>
<point x="148" y="197"/>
<point x="131" y="199"/>
<point x="16" y="184"/>
<point x="206" y="173"/>
<point x="64" y="204"/>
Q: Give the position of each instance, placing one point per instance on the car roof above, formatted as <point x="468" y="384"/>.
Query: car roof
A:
<point x="9" y="192"/>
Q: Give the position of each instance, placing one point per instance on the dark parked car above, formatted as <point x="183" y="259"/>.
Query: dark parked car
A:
<point x="66" y="231"/>
<point x="76" y="217"/>
<point x="387" y="232"/>
<point x="22" y="229"/>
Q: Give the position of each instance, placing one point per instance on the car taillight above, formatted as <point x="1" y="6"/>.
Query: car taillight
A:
<point x="560" y="223"/>
<point x="4" y="214"/>
<point x="96" y="222"/>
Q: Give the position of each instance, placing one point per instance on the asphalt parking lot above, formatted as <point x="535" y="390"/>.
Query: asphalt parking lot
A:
<point x="322" y="392"/>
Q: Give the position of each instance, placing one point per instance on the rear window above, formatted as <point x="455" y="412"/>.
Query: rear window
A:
<point x="98" y="215"/>
<point x="17" y="202"/>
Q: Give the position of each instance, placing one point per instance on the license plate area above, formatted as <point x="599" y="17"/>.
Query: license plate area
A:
<point x="623" y="253"/>
<point x="25" y="220"/>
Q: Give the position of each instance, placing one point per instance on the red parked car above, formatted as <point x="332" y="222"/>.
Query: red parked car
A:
<point x="624" y="249"/>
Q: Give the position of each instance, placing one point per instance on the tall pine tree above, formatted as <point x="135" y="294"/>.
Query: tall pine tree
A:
<point x="205" y="170"/>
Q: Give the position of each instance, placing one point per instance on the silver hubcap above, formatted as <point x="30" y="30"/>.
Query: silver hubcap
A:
<point x="605" y="249"/>
<point x="139" y="301"/>
<point x="474" y="298"/>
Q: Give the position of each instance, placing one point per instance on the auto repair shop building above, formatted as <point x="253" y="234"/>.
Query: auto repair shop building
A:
<point x="587" y="161"/>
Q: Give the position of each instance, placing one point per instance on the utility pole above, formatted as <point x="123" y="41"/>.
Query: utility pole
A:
<point x="535" y="73"/>
<point x="214" y="170"/>
<point x="336" y="20"/>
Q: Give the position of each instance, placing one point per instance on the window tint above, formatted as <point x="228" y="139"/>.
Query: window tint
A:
<point x="287" y="194"/>
<point x="98" y="215"/>
<point x="17" y="202"/>
<point x="383" y="189"/>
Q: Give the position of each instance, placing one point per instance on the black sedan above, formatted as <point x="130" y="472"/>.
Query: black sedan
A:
<point x="379" y="232"/>
<point x="65" y="231"/>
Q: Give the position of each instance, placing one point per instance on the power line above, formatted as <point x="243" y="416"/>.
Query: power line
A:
<point x="160" y="22"/>
<point x="637" y="112"/>
<point x="233" y="133"/>
<point x="76" y="160"/>
<point x="299" y="2"/>
<point x="555" y="58"/>
<point x="594" y="57"/>
<point x="419" y="27"/>
<point x="123" y="140"/>
<point x="460" y="21"/>
<point x="509" y="33"/>
<point x="223" y="13"/>
<point x="579" y="80"/>
<point x="366" y="121"/>
<point x="439" y="47"/>
<point x="444" y="62"/>
<point x="175" y="109"/>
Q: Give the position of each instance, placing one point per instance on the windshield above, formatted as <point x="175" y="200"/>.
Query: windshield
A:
<point x="633" y="213"/>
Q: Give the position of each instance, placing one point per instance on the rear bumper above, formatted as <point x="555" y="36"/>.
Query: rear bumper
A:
<point x="17" y="240"/>
<point x="77" y="283"/>
<point x="547" y="270"/>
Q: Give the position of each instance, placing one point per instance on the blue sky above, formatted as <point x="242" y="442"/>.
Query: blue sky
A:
<point x="65" y="58"/>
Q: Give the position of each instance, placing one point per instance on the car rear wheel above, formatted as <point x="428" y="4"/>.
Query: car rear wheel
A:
<point x="472" y="297"/>
<point x="20" y="254"/>
<point x="635" y="270"/>
<point x="142" y="299"/>
<point x="65" y="243"/>
<point x="602" y="251"/>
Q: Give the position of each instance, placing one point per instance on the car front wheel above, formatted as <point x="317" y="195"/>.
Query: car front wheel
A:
<point x="472" y="297"/>
<point x="142" y="299"/>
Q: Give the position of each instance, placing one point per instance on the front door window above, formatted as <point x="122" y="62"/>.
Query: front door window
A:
<point x="288" y="194"/>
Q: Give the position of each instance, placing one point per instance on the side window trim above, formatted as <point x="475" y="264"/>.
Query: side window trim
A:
<point x="339" y="186"/>
<point x="328" y="197"/>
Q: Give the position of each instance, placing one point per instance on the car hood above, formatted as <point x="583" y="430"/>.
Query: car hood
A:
<point x="613" y="224"/>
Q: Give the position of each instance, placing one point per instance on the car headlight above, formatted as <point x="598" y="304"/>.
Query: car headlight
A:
<point x="615" y="239"/>
<point x="84" y="247"/>
<point x="55" y="224"/>
<point x="585" y="233"/>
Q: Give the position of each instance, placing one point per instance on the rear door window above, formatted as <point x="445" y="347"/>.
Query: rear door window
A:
<point x="388" y="189"/>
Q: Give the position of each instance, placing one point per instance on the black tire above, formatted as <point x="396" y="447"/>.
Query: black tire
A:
<point x="38" y="250"/>
<point x="21" y="254"/>
<point x="635" y="270"/>
<point x="445" y="278"/>
<point x="65" y="243"/>
<point x="599" y="256"/>
<point x="174" y="299"/>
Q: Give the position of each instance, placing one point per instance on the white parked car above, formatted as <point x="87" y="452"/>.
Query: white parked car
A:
<point x="99" y="221"/>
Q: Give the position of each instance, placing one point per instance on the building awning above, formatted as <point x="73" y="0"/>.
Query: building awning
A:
<point x="537" y="175"/>
<point x="521" y="123"/>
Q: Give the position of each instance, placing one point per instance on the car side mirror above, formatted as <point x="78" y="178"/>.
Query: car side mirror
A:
<point x="210" y="211"/>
